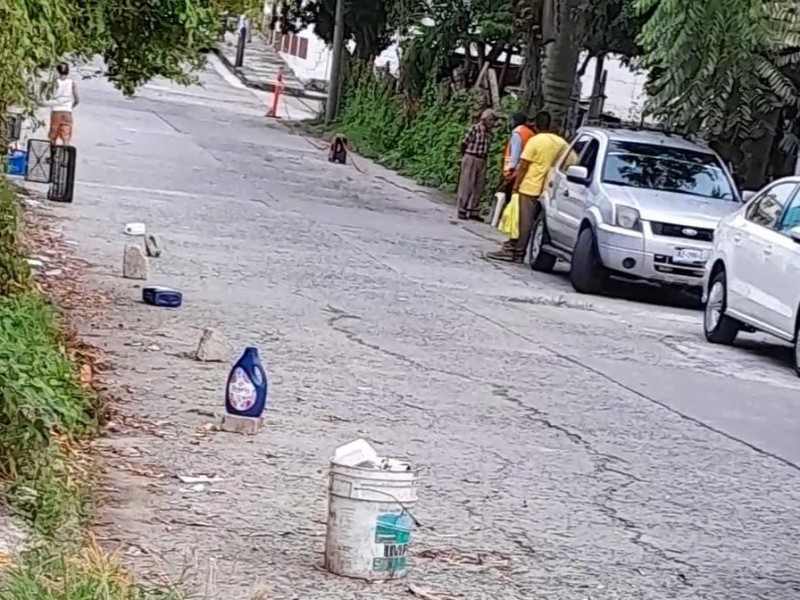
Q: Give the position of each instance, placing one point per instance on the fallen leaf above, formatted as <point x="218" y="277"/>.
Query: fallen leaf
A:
<point x="426" y="594"/>
<point x="86" y="374"/>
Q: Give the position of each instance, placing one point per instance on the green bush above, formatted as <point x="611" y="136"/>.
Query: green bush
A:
<point x="425" y="146"/>
<point x="43" y="408"/>
<point x="15" y="275"/>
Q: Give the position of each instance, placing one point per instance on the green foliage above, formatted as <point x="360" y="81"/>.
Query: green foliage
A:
<point x="15" y="275"/>
<point x="45" y="413"/>
<point x="42" y="407"/>
<point x="610" y="27"/>
<point x="424" y="146"/>
<point x="367" y="23"/>
<point x="716" y="66"/>
<point x="138" y="40"/>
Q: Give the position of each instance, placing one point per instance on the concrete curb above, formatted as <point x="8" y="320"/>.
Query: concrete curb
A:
<point x="265" y="86"/>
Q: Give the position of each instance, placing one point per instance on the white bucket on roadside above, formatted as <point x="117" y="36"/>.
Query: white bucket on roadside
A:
<point x="369" y="524"/>
<point x="497" y="209"/>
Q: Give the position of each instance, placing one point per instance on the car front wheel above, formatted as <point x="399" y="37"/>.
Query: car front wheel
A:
<point x="587" y="273"/>
<point x="719" y="327"/>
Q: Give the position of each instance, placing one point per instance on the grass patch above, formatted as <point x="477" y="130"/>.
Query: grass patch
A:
<point x="46" y="418"/>
<point x="89" y="574"/>
<point x="44" y="411"/>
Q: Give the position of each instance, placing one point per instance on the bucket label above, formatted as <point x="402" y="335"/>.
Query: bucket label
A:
<point x="393" y="532"/>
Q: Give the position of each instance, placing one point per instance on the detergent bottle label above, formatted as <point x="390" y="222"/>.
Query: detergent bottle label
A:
<point x="242" y="393"/>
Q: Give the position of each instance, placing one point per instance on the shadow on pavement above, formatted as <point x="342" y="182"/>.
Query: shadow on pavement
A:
<point x="642" y="292"/>
<point x="778" y="353"/>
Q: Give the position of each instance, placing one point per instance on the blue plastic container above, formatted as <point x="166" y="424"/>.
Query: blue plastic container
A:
<point x="246" y="391"/>
<point x="17" y="163"/>
<point x="161" y="296"/>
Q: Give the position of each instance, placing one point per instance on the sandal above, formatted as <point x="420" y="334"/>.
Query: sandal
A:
<point x="505" y="255"/>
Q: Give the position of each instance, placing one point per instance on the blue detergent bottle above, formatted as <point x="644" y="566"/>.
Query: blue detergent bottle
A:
<point x="246" y="391"/>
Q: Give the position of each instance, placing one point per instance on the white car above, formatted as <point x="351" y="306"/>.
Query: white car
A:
<point x="752" y="279"/>
<point x="639" y="204"/>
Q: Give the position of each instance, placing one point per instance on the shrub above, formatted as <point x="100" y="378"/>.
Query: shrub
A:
<point x="15" y="274"/>
<point x="423" y="145"/>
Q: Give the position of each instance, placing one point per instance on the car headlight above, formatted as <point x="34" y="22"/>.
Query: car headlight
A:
<point x="628" y="218"/>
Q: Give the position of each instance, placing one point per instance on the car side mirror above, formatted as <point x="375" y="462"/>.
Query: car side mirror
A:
<point x="579" y="175"/>
<point x="794" y="233"/>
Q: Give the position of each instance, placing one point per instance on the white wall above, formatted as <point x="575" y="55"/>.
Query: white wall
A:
<point x="624" y="88"/>
<point x="317" y="64"/>
<point x="625" y="95"/>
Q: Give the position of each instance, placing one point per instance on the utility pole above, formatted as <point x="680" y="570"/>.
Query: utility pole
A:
<point x="335" y="82"/>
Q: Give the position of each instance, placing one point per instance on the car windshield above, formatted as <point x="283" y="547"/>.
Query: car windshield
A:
<point x="666" y="169"/>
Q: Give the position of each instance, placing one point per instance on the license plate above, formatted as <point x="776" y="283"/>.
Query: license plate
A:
<point x="690" y="256"/>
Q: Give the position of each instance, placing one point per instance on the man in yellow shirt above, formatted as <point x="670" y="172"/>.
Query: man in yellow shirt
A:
<point x="539" y="156"/>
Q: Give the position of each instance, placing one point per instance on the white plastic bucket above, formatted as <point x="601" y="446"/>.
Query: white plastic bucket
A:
<point x="369" y="526"/>
<point x="497" y="209"/>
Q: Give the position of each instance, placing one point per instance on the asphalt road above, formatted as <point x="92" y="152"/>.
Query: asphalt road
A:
<point x="583" y="447"/>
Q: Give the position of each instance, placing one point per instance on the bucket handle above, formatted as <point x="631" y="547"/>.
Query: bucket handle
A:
<point x="403" y="506"/>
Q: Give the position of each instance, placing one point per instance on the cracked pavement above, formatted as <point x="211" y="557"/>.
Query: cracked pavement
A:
<point x="569" y="447"/>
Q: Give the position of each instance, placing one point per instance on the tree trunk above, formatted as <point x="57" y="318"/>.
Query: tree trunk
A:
<point x="561" y="64"/>
<point x="598" y="91"/>
<point x="531" y="99"/>
<point x="504" y="70"/>
<point x="756" y="153"/>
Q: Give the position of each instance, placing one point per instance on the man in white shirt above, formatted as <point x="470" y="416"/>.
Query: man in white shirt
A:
<point x="65" y="99"/>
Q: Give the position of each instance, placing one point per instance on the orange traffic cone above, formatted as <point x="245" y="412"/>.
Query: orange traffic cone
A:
<point x="272" y="113"/>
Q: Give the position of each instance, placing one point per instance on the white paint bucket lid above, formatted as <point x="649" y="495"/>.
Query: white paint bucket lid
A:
<point x="135" y="229"/>
<point x="360" y="454"/>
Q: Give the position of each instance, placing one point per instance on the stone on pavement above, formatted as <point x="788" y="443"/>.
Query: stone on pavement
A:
<point x="213" y="347"/>
<point x="242" y="425"/>
<point x="152" y="245"/>
<point x="134" y="263"/>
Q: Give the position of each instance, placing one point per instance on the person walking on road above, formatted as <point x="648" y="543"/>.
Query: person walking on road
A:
<point x="474" y="150"/>
<point x="540" y="154"/>
<point x="65" y="99"/>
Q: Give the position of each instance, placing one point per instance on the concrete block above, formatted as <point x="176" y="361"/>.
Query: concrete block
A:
<point x="213" y="347"/>
<point x="242" y="425"/>
<point x="134" y="263"/>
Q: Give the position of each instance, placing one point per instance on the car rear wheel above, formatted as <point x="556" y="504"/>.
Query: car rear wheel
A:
<point x="587" y="274"/>
<point x="538" y="258"/>
<point x="719" y="327"/>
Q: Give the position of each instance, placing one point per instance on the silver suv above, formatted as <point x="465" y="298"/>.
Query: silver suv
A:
<point x="639" y="204"/>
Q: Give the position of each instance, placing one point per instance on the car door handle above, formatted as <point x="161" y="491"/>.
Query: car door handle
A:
<point x="737" y="239"/>
<point x="768" y="251"/>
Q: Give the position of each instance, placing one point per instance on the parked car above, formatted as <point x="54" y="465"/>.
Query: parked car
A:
<point x="639" y="204"/>
<point x="752" y="280"/>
